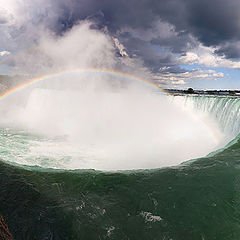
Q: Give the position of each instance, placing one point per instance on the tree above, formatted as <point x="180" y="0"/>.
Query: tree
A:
<point x="190" y="91"/>
<point x="232" y="92"/>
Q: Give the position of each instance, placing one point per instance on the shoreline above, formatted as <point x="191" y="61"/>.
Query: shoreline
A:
<point x="210" y="93"/>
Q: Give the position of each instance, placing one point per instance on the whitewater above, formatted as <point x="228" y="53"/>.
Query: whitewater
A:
<point x="112" y="128"/>
<point x="178" y="202"/>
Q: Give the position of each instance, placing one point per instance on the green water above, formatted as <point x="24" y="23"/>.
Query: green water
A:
<point x="195" y="200"/>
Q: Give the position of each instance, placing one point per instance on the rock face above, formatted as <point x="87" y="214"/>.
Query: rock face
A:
<point x="4" y="231"/>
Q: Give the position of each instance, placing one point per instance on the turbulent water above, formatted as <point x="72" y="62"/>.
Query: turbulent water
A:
<point x="224" y="110"/>
<point x="194" y="200"/>
<point x="104" y="130"/>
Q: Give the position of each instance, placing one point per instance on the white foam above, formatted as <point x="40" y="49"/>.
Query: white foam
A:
<point x="128" y="128"/>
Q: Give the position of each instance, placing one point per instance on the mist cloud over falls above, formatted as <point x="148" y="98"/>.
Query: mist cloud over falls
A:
<point x="80" y="47"/>
<point x="126" y="129"/>
<point x="93" y="120"/>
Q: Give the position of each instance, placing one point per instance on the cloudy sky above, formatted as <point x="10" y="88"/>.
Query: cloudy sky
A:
<point x="180" y="43"/>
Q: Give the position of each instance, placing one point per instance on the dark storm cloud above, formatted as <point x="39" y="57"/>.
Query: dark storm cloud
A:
<point x="215" y="21"/>
<point x="211" y="22"/>
<point x="155" y="59"/>
<point x="118" y="16"/>
<point x="230" y="50"/>
<point x="178" y="43"/>
<point x="156" y="31"/>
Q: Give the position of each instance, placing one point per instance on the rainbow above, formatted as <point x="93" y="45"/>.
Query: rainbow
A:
<point x="87" y="70"/>
<point x="98" y="71"/>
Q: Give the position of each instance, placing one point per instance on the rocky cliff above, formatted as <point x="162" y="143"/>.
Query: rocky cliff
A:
<point x="4" y="231"/>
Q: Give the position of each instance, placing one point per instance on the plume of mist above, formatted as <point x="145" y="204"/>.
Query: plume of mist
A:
<point x="96" y="120"/>
<point x="80" y="47"/>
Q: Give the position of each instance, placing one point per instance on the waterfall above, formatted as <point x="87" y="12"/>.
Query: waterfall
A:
<point x="224" y="110"/>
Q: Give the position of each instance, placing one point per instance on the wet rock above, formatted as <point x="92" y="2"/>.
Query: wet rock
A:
<point x="4" y="231"/>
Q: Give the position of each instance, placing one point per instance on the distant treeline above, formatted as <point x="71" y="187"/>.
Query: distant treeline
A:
<point x="203" y="92"/>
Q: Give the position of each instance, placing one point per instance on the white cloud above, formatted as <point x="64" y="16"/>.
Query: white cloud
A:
<point x="4" y="53"/>
<point x="120" y="48"/>
<point x="206" y="56"/>
<point x="189" y="58"/>
<point x="183" y="78"/>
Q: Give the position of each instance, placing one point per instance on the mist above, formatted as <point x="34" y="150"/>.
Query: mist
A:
<point x="95" y="120"/>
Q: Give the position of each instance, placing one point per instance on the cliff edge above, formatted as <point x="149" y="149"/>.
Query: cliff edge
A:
<point x="4" y="231"/>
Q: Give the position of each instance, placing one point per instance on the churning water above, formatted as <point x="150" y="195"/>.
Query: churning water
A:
<point x="108" y="128"/>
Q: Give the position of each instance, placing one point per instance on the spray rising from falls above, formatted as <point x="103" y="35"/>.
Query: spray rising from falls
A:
<point x="103" y="123"/>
